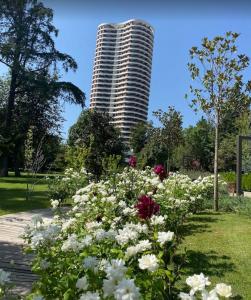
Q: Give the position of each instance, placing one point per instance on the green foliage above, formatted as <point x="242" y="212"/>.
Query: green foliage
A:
<point x="240" y="205"/>
<point x="228" y="176"/>
<point x="139" y="136"/>
<point x="219" y="70"/>
<point x="28" y="151"/>
<point x="75" y="157"/>
<point x="246" y="182"/>
<point x="245" y="179"/>
<point x="163" y="140"/>
<point x="111" y="165"/>
<point x="94" y="132"/>
<point x="227" y="153"/>
<point x="27" y="49"/>
<point x="198" y="144"/>
<point x="63" y="187"/>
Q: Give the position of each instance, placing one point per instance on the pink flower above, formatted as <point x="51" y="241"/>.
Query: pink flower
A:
<point x="160" y="170"/>
<point x="146" y="207"/>
<point x="132" y="161"/>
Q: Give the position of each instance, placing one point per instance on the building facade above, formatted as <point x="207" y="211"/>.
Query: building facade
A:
<point x="122" y="73"/>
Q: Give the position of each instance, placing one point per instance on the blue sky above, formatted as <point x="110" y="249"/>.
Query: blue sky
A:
<point x="177" y="29"/>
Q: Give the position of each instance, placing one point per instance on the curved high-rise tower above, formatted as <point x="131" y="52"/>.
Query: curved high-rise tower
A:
<point x="122" y="73"/>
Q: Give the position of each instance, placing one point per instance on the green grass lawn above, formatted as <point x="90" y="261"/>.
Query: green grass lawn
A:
<point x="219" y="245"/>
<point x="13" y="194"/>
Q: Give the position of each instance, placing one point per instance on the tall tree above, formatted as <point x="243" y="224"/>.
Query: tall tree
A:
<point x="162" y="140"/>
<point x="27" y="48"/>
<point x="94" y="131"/>
<point x="218" y="69"/>
<point x="171" y="130"/>
<point x="139" y="136"/>
<point x="199" y="139"/>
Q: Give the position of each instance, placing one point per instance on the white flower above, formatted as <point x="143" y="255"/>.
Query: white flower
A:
<point x="4" y="277"/>
<point x="157" y="220"/>
<point x="111" y="199"/>
<point x="223" y="290"/>
<point x="164" y="237"/>
<point x="90" y="296"/>
<point x="197" y="282"/>
<point x="109" y="287"/>
<point x="68" y="223"/>
<point x="86" y="241"/>
<point x="54" y="203"/>
<point x="212" y="295"/>
<point x="93" y="225"/>
<point x="122" y="204"/>
<point x="100" y="234"/>
<point x="185" y="296"/>
<point x="82" y="283"/>
<point x="129" y="211"/>
<point x="131" y="251"/>
<point x="115" y="269"/>
<point x="36" y="239"/>
<point x="126" y="289"/>
<point x="143" y="245"/>
<point x="90" y="262"/>
<point x="148" y="262"/>
<point x="125" y="235"/>
<point x="71" y="243"/>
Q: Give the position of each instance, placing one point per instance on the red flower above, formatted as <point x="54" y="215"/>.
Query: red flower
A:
<point x="146" y="207"/>
<point x="160" y="170"/>
<point x="132" y="161"/>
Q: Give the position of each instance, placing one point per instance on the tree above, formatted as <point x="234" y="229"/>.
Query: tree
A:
<point x="94" y="131"/>
<point x="200" y="141"/>
<point x="218" y="69"/>
<point x="139" y="136"/>
<point x="171" y="130"/>
<point x="27" y="48"/>
<point x="162" y="140"/>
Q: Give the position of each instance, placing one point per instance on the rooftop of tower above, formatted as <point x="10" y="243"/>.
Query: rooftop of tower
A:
<point x="128" y="21"/>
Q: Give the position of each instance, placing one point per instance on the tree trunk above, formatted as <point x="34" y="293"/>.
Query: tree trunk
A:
<point x="216" y="147"/>
<point x="4" y="166"/>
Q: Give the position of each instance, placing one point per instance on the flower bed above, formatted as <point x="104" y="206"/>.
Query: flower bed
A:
<point x="119" y="239"/>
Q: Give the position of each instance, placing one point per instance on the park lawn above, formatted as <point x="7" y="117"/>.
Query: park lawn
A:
<point x="219" y="245"/>
<point x="13" y="194"/>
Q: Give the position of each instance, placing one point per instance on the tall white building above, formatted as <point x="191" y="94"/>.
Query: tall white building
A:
<point x="122" y="73"/>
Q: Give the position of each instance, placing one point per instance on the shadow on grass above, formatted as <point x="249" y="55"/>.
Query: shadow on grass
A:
<point x="14" y="200"/>
<point x="22" y="180"/>
<point x="209" y="263"/>
<point x="199" y="223"/>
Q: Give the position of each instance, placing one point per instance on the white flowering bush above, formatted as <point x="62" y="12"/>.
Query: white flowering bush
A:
<point x="65" y="186"/>
<point x="198" y="289"/>
<point x="117" y="241"/>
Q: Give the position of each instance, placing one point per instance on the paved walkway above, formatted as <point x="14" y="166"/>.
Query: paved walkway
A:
<point x="12" y="258"/>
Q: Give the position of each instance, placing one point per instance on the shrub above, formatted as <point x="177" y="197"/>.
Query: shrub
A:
<point x="64" y="186"/>
<point x="117" y="241"/>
